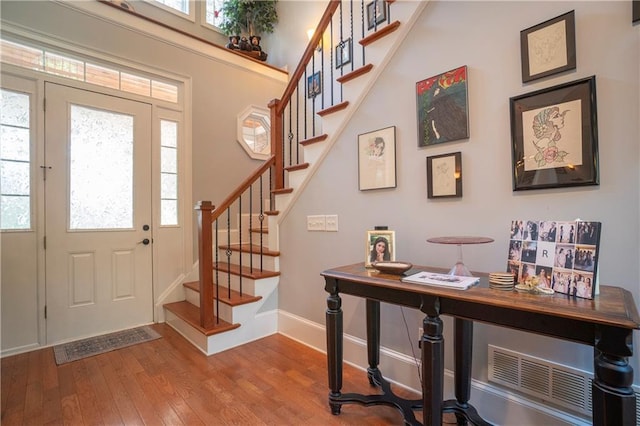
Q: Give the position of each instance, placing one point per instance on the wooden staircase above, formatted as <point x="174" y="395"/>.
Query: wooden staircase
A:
<point x="235" y="299"/>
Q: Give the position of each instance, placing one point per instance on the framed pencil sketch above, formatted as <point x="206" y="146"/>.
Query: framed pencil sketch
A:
<point x="442" y="107"/>
<point x="444" y="175"/>
<point x="379" y="247"/>
<point x="314" y="85"/>
<point x="554" y="136"/>
<point x="343" y="53"/>
<point x="376" y="13"/>
<point x="377" y="159"/>
<point x="548" y="48"/>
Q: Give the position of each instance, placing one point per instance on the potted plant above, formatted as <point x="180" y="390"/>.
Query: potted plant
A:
<point x="245" y="20"/>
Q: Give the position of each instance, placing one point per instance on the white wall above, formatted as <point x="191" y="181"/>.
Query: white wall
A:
<point x="485" y="36"/>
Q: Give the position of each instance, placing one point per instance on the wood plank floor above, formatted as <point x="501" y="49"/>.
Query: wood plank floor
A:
<point x="272" y="381"/>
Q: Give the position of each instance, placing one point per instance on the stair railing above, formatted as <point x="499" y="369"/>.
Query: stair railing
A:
<point x="230" y="213"/>
<point x="314" y="90"/>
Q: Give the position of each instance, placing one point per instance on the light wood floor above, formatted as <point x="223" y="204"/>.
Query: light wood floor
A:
<point x="272" y="381"/>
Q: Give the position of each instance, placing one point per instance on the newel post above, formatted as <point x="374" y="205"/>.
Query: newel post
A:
<point x="276" y="143"/>
<point x="205" y="253"/>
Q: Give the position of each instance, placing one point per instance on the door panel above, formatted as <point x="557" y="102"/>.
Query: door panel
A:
<point x="98" y="199"/>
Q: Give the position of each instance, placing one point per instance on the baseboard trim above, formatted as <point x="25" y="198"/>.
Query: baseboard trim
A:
<point x="496" y="405"/>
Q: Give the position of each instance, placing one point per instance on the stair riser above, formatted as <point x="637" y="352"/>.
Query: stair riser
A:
<point x="232" y="314"/>
<point x="269" y="263"/>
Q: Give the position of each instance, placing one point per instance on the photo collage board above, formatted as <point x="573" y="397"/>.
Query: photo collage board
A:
<point x="563" y="255"/>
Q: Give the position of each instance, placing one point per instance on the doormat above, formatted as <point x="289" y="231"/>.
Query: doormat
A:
<point x="91" y="346"/>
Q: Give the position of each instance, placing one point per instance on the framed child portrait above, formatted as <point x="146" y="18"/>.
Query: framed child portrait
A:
<point x="380" y="247"/>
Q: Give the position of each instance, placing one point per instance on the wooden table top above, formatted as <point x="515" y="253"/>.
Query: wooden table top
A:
<point x="614" y="306"/>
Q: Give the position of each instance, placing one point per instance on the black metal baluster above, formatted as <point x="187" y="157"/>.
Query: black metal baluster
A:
<point x="216" y="249"/>
<point x="251" y="227"/>
<point x="228" y="253"/>
<point x="362" y="16"/>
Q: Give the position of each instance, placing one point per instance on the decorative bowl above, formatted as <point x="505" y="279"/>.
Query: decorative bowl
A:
<point x="395" y="268"/>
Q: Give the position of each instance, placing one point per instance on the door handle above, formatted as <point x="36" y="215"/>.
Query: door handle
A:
<point x="146" y="241"/>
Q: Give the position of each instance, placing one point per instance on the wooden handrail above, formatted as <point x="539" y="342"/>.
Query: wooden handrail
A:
<point x="241" y="188"/>
<point x="277" y="106"/>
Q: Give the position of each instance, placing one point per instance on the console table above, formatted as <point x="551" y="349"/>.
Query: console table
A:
<point x="606" y="323"/>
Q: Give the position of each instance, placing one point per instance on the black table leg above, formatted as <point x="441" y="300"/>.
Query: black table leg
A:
<point x="373" y="340"/>
<point x="432" y="344"/>
<point x="613" y="399"/>
<point x="334" y="349"/>
<point x="463" y="355"/>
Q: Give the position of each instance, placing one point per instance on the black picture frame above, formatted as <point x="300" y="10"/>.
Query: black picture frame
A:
<point x="314" y="85"/>
<point x="635" y="11"/>
<point x="343" y="53"/>
<point x="376" y="13"/>
<point x="444" y="175"/>
<point x="548" y="48"/>
<point x="554" y="136"/>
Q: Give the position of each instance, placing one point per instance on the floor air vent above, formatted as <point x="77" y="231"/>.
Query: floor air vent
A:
<point x="555" y="383"/>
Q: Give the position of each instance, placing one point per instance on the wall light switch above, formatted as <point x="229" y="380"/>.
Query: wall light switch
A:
<point x="331" y="222"/>
<point x="316" y="223"/>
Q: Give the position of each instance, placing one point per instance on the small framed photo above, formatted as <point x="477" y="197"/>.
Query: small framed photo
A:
<point x="377" y="159"/>
<point x="376" y="13"/>
<point x="314" y="85"/>
<point x="444" y="175"/>
<point x="548" y="48"/>
<point x="343" y="53"/>
<point x="554" y="136"/>
<point x="380" y="247"/>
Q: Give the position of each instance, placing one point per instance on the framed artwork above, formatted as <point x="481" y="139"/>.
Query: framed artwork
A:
<point x="635" y="11"/>
<point x="442" y="107"/>
<point x="444" y="175"/>
<point x="377" y="159"/>
<point x="548" y="48"/>
<point x="376" y="13"/>
<point x="554" y="136"/>
<point x="343" y="53"/>
<point x="314" y="85"/>
<point x="562" y="255"/>
<point x="380" y="246"/>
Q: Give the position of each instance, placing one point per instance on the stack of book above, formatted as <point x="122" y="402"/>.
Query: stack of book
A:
<point x="441" y="280"/>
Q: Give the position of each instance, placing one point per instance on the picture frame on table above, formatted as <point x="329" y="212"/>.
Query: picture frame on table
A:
<point x="548" y="48"/>
<point x="376" y="239"/>
<point x="376" y="13"/>
<point x="314" y="85"/>
<point x="554" y="136"/>
<point x="442" y="107"/>
<point x="377" y="159"/>
<point x="343" y="52"/>
<point x="444" y="175"/>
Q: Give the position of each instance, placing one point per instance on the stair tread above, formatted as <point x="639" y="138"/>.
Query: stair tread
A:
<point x="245" y="271"/>
<point x="250" y="248"/>
<point x="190" y="313"/>
<point x="379" y="33"/>
<point x="355" y="73"/>
<point x="236" y="298"/>
<point x="333" y="108"/>
<point x="314" y="139"/>
<point x="295" y="167"/>
<point x="282" y="191"/>
<point x="259" y="231"/>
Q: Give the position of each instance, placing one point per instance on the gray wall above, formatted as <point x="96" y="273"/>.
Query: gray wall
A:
<point x="485" y="36"/>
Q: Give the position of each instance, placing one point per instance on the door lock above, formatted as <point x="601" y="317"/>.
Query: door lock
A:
<point x="146" y="241"/>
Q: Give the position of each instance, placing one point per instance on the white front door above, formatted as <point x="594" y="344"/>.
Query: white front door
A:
<point x="98" y="213"/>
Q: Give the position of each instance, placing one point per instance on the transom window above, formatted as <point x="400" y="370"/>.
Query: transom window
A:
<point x="39" y="59"/>
<point x="213" y="12"/>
